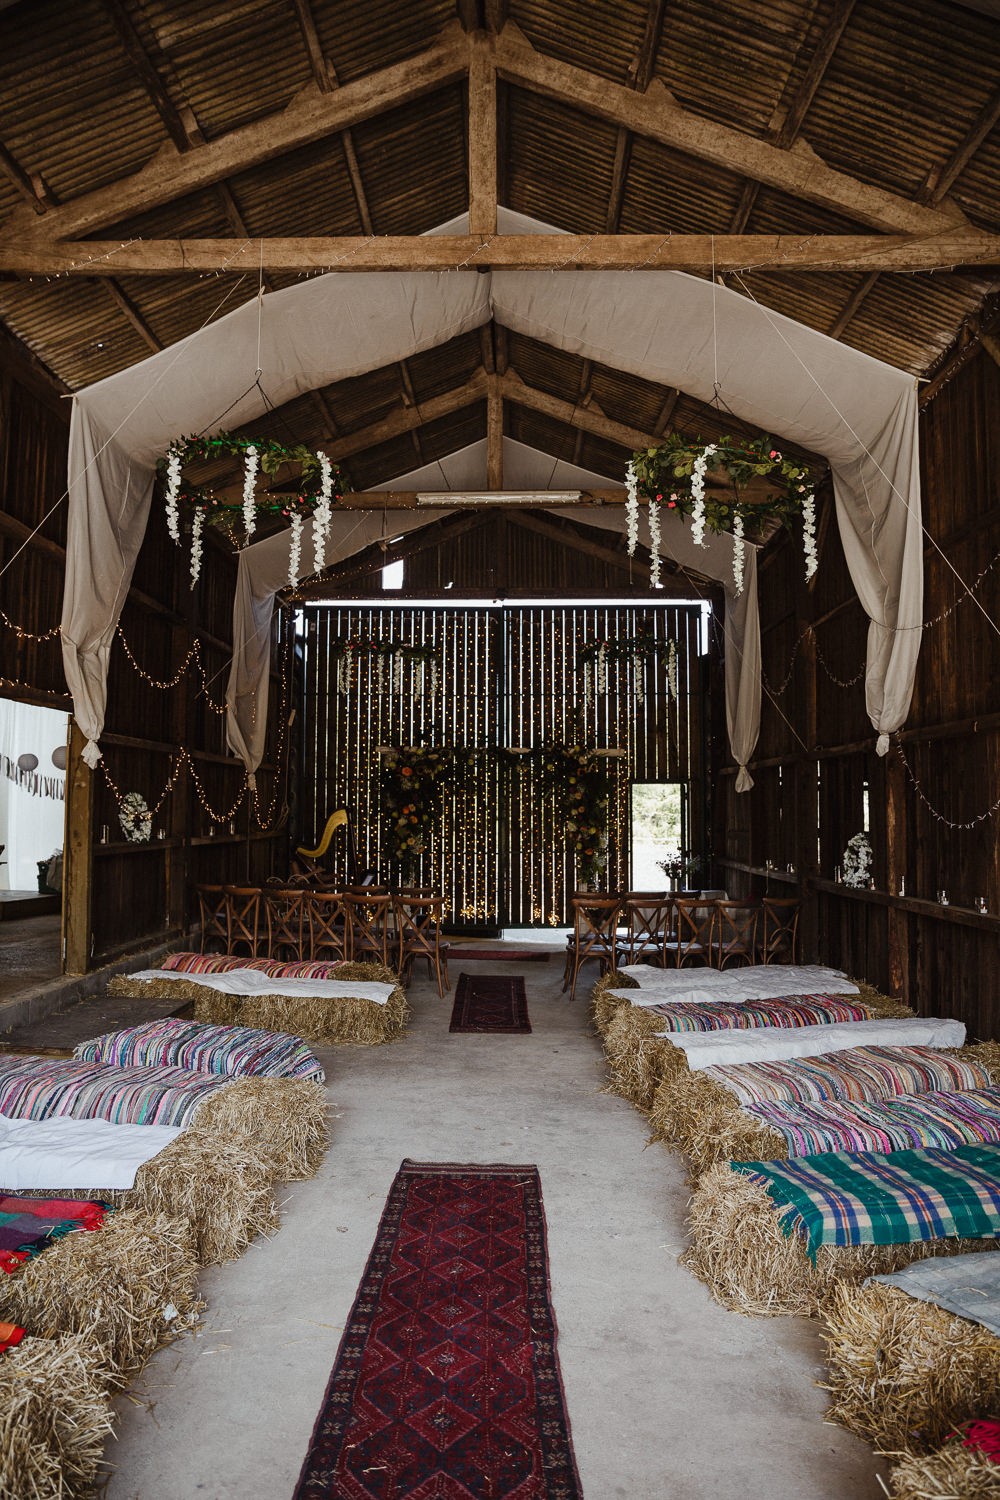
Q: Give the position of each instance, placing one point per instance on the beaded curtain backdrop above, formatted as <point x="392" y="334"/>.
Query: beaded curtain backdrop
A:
<point x="447" y="1381"/>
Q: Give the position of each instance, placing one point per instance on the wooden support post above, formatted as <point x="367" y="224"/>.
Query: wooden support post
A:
<point x="896" y="863"/>
<point x="78" y="862"/>
<point x="482" y="138"/>
<point x="806" y="790"/>
<point x="494" y="437"/>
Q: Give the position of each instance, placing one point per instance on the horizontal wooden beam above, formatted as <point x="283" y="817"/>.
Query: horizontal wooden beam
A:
<point x="29" y="255"/>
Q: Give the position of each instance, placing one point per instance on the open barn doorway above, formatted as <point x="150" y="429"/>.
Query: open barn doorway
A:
<point x="508" y="697"/>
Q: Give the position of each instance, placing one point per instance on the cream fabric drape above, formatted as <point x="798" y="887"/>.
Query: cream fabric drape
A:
<point x="768" y="370"/>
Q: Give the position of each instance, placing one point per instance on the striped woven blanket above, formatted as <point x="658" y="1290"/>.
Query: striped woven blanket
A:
<point x="909" y="1122"/>
<point x="236" y="1051"/>
<point x="224" y="963"/>
<point x="803" y="1010"/>
<point x="36" y="1088"/>
<point x="858" y="1074"/>
<point x="872" y="1199"/>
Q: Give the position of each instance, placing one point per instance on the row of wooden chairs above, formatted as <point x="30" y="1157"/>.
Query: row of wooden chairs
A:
<point x="364" y="924"/>
<point x="673" y="931"/>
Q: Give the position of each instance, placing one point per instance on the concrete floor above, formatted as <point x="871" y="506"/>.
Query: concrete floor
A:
<point x="669" y="1396"/>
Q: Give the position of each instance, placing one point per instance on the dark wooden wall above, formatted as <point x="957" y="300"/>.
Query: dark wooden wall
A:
<point x="816" y="756"/>
<point x="119" y="896"/>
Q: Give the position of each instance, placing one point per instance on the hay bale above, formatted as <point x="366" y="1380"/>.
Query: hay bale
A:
<point x="953" y="1473"/>
<point x="738" y="1249"/>
<point x="705" y="1121"/>
<point x="987" y="1054"/>
<point x="220" y="1184"/>
<point x="904" y="1373"/>
<point x="284" y="1118"/>
<point x="682" y="1100"/>
<point x="603" y="1005"/>
<point x="54" y="1418"/>
<point x="113" y="1285"/>
<point x="635" y="1054"/>
<point x="882" y="1007"/>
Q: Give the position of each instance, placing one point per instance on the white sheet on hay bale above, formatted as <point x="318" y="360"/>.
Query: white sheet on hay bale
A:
<point x="756" y="982"/>
<point x="965" y="1284"/>
<point x="254" y="982"/>
<point x="64" y="1153"/>
<point x="709" y="1049"/>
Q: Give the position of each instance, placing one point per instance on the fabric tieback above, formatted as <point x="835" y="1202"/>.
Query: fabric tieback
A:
<point x="91" y="753"/>
<point x="882" y="745"/>
<point x="744" y="781"/>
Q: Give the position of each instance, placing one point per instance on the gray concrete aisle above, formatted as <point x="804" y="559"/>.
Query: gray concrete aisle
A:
<point x="670" y="1397"/>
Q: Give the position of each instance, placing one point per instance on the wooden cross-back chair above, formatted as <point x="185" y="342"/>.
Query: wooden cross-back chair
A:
<point x="367" y="917"/>
<point x="779" y="942"/>
<point x="243" y="907"/>
<point x="213" y="917"/>
<point x="594" y="933"/>
<point x="418" y="932"/>
<point x="286" y="922"/>
<point x="311" y="862"/>
<point x="327" y="928"/>
<point x="644" y="919"/>
<point x="736" y="925"/>
<point x="693" y="934"/>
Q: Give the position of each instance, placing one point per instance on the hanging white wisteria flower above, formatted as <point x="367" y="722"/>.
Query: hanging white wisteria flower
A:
<point x="197" y="527"/>
<point x="380" y="672"/>
<point x="602" y="668"/>
<point x="397" y="671"/>
<point x="809" y="534"/>
<point x="588" y="684"/>
<point x="739" y="550"/>
<point x="295" y="549"/>
<point x="251" y="463"/>
<point x="654" y="544"/>
<point x="672" y="670"/>
<point x="343" y="673"/>
<point x="698" y="494"/>
<point x="172" y="491"/>
<point x="631" y="509"/>
<point x="321" y="515"/>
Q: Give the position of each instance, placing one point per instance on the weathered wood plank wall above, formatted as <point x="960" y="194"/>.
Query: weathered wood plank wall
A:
<point x="816" y="768"/>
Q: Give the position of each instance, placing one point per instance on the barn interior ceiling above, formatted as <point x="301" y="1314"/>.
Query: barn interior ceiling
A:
<point x="160" y="160"/>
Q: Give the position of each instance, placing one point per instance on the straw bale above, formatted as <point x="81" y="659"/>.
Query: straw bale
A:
<point x="284" y="1118"/>
<point x="55" y="1415"/>
<point x="603" y="1004"/>
<point x="220" y="1184"/>
<point x="987" y="1054"/>
<point x="705" y="1121"/>
<point x="129" y="1286"/>
<point x="904" y="1373"/>
<point x="882" y="1007"/>
<point x="739" y="1251"/>
<point x="953" y="1473"/>
<point x="635" y="1054"/>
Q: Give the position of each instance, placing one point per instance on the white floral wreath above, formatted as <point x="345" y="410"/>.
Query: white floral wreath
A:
<point x="135" y="818"/>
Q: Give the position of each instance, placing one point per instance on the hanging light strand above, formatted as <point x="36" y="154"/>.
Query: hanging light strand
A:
<point x="939" y="817"/>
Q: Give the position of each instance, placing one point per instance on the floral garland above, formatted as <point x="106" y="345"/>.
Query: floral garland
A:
<point x="135" y="818"/>
<point x="411" y="799"/>
<point x="317" y="486"/>
<point x="596" y="655"/>
<point x="858" y="860"/>
<point x="582" y="784"/>
<point x="388" y="655"/>
<point x="674" y="475"/>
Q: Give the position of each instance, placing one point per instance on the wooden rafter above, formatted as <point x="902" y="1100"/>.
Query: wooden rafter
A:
<point x="852" y="305"/>
<point x="494" y="432"/>
<point x="940" y="181"/>
<point x="31" y="255"/>
<point x="619" y="175"/>
<point x="641" y="69"/>
<point x="181" y="124"/>
<point x="126" y="306"/>
<point x="32" y="187"/>
<point x="310" y="39"/>
<point x="482" y="137"/>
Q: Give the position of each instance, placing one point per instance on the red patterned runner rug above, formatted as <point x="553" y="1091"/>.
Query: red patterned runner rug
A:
<point x="447" y="1385"/>
<point x="489" y="1002"/>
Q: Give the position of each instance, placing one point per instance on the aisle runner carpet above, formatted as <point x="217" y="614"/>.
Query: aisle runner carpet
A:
<point x="490" y="1003"/>
<point x="447" y="1382"/>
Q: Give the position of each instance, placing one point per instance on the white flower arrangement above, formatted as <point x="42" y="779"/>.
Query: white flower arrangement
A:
<point x="654" y="544"/>
<point x="631" y="509"/>
<point x="739" y="551"/>
<point x="698" y="493"/>
<point x="321" y="515"/>
<point x="135" y="818"/>
<point x="197" y="527"/>
<point x="295" y="549"/>
<point x="809" y="534"/>
<point x="857" y="863"/>
<point x="172" y="491"/>
<point x="251" y="464"/>
<point x="672" y="670"/>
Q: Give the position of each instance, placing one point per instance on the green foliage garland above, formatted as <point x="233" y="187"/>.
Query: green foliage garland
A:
<point x="664" y="474"/>
<point x="299" y="494"/>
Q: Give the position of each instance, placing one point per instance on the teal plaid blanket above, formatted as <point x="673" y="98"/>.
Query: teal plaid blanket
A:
<point x="870" y="1199"/>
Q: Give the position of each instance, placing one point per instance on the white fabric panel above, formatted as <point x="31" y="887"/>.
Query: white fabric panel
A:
<point x="707" y="1049"/>
<point x="524" y="468"/>
<point x="63" y="1153"/>
<point x="255" y="982"/>
<point x="754" y="982"/>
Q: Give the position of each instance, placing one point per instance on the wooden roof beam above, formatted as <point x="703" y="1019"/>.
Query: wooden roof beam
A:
<point x="182" y="127"/>
<point x="134" y="316"/>
<point x="407" y="418"/>
<point x="940" y="179"/>
<point x="482" y="136"/>
<point x="31" y="185"/>
<point x="852" y="305"/>
<point x="34" y="255"/>
<point x="640" y="69"/>
<point x="309" y="117"/>
<point x="657" y="116"/>
<point x="318" y="62"/>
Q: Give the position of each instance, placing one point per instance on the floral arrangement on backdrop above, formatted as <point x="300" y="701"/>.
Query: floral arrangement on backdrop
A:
<point x="135" y="818"/>
<point x="411" y="799"/>
<point x="313" y="488"/>
<point x="673" y="477"/>
<point x="582" y="784"/>
<point x="596" y="656"/>
<point x="390" y="657"/>
<point x="678" y="866"/>
<point x="858" y="861"/>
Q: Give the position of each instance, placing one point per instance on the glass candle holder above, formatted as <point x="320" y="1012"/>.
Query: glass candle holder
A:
<point x="981" y="906"/>
<point x="942" y="898"/>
